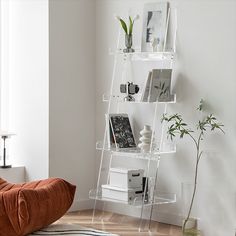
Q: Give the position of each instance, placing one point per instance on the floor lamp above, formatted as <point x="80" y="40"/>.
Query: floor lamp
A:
<point x="4" y="136"/>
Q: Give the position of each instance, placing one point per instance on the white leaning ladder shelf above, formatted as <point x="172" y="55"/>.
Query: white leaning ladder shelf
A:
<point x="154" y="155"/>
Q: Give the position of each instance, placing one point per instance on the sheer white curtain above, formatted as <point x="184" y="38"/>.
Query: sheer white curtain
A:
<point x="4" y="64"/>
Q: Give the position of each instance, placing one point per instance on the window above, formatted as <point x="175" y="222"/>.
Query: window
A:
<point x="4" y="65"/>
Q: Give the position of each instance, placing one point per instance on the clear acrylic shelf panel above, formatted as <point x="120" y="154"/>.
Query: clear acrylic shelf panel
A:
<point x="160" y="198"/>
<point x="145" y="56"/>
<point x="168" y="148"/>
<point x="120" y="98"/>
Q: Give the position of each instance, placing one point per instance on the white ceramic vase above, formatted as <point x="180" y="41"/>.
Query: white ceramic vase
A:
<point x="145" y="139"/>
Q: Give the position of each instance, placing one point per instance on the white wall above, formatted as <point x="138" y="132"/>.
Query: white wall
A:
<point x="28" y="83"/>
<point x="67" y="149"/>
<point x="205" y="68"/>
<point x="72" y="94"/>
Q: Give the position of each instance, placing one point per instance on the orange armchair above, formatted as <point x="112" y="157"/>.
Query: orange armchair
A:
<point x="28" y="207"/>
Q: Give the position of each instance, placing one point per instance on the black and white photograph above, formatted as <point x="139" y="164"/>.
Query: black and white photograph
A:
<point x="121" y="131"/>
<point x="158" y="86"/>
<point x="154" y="26"/>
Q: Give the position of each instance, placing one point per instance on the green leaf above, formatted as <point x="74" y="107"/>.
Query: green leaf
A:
<point x="163" y="85"/>
<point x="131" y="23"/>
<point x="124" y="26"/>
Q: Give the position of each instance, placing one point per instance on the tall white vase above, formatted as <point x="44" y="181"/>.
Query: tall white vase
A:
<point x="145" y="139"/>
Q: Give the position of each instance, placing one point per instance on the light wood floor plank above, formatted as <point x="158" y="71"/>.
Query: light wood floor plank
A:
<point x="119" y="224"/>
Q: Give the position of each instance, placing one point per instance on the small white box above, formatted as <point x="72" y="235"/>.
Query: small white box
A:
<point x="127" y="178"/>
<point x="115" y="193"/>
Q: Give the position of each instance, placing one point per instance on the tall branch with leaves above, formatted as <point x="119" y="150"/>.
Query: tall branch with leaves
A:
<point x="180" y="128"/>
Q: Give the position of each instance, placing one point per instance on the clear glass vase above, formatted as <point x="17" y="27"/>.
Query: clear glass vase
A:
<point x="128" y="43"/>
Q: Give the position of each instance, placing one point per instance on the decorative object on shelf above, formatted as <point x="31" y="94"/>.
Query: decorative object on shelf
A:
<point x="155" y="42"/>
<point x="4" y="136"/>
<point x="130" y="89"/>
<point x="178" y="126"/>
<point x="126" y="178"/>
<point x="121" y="131"/>
<point x="124" y="184"/>
<point x="128" y="32"/>
<point x="145" y="139"/>
<point x="120" y="194"/>
<point x="154" y="26"/>
<point x="128" y="43"/>
<point x="158" y="86"/>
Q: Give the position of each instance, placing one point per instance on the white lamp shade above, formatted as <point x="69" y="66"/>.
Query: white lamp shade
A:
<point x="6" y="134"/>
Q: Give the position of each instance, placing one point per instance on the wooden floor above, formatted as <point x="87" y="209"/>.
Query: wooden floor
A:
<point x="119" y="224"/>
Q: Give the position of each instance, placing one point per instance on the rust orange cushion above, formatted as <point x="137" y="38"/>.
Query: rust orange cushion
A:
<point x="27" y="207"/>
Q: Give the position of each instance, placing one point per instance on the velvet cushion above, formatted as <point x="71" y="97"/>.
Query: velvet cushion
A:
<point x="27" y="207"/>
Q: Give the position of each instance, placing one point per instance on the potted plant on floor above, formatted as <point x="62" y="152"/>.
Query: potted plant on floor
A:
<point x="180" y="128"/>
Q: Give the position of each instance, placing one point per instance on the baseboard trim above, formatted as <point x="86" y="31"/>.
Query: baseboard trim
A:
<point x="82" y="204"/>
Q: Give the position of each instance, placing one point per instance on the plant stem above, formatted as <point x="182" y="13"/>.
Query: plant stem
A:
<point x="199" y="154"/>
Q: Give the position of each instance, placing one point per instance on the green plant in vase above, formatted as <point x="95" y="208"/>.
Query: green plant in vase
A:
<point x="180" y="128"/>
<point x="128" y="29"/>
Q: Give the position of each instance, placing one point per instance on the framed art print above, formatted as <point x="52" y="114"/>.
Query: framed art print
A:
<point x="121" y="131"/>
<point x="154" y="26"/>
<point x="158" y="86"/>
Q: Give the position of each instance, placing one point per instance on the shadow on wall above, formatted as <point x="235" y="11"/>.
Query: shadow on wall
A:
<point x="184" y="88"/>
<point x="218" y="216"/>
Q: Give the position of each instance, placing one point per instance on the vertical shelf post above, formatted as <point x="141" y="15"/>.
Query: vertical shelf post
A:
<point x="106" y="126"/>
<point x="147" y="174"/>
<point x="157" y="169"/>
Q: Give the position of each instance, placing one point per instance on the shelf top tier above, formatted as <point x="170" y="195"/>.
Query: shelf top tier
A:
<point x="168" y="148"/>
<point x="145" y="56"/>
<point x="120" y="99"/>
<point x="160" y="198"/>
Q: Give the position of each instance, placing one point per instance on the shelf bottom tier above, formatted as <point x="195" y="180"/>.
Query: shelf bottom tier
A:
<point x="160" y="198"/>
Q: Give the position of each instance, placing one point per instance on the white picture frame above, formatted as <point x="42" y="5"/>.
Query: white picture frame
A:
<point x="154" y="26"/>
